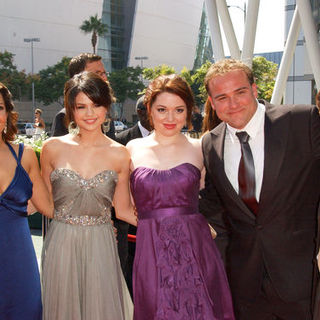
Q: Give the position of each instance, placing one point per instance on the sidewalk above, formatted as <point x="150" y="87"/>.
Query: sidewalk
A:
<point x="37" y="242"/>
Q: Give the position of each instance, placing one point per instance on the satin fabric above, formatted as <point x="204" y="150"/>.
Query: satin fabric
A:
<point x="178" y="272"/>
<point x="20" y="295"/>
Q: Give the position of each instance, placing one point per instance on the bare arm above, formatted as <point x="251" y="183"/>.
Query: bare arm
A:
<point x="46" y="163"/>
<point x="42" y="124"/>
<point x="122" y="200"/>
<point x="41" y="198"/>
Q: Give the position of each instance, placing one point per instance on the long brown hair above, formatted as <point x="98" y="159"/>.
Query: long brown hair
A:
<point x="210" y="119"/>
<point x="12" y="116"/>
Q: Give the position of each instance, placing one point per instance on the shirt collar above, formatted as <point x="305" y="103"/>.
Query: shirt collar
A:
<point x="143" y="130"/>
<point x="254" y="125"/>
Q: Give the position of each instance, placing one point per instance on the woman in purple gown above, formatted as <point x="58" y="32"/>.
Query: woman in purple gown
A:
<point x="178" y="272"/>
<point x="20" y="180"/>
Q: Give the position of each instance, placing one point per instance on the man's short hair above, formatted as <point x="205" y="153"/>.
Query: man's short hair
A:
<point x="224" y="66"/>
<point x="140" y="105"/>
<point x="78" y="63"/>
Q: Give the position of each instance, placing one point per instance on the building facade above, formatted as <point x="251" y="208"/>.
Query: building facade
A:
<point x="147" y="33"/>
<point x="165" y="32"/>
<point x="300" y="86"/>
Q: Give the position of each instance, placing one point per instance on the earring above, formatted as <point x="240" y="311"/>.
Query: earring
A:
<point x="106" y="125"/>
<point x="73" y="128"/>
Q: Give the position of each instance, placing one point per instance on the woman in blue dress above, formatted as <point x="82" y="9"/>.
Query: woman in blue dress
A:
<point x="20" y="180"/>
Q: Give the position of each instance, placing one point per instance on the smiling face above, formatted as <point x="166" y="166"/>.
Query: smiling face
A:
<point x="233" y="98"/>
<point x="168" y="114"/>
<point x="88" y="115"/>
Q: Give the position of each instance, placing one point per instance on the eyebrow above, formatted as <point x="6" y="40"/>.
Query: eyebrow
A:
<point x="163" y="106"/>
<point x="223" y="94"/>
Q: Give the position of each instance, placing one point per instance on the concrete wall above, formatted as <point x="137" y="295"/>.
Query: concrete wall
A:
<point x="166" y="32"/>
<point x="56" y="23"/>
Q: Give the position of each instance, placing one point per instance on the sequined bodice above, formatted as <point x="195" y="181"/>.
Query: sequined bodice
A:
<point x="82" y="201"/>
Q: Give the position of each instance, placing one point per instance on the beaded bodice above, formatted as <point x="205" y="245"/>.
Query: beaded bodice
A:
<point x="82" y="201"/>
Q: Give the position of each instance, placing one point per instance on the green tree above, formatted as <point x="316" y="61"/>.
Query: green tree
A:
<point x="16" y="81"/>
<point x="126" y="83"/>
<point x="50" y="82"/>
<point x="187" y="75"/>
<point x="95" y="26"/>
<point x="194" y="79"/>
<point x="152" y="73"/>
<point x="198" y="83"/>
<point x="265" y="73"/>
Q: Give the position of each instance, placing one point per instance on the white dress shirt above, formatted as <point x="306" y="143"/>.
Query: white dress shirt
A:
<point x="232" y="149"/>
<point x="143" y="130"/>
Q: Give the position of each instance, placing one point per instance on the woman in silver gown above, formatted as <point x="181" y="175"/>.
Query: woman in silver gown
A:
<point x="86" y="172"/>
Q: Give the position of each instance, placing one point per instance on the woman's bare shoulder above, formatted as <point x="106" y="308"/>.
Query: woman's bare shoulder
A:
<point x="56" y="144"/>
<point x="196" y="143"/>
<point x="119" y="150"/>
<point x="139" y="143"/>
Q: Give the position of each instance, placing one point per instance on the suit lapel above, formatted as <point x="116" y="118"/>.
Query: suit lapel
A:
<point x="216" y="153"/>
<point x="276" y="136"/>
<point x="136" y="132"/>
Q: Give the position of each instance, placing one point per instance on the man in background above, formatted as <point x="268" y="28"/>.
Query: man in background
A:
<point x="196" y="120"/>
<point x="141" y="129"/>
<point x="83" y="62"/>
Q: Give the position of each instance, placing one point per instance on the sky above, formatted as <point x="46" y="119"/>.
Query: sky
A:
<point x="270" y="25"/>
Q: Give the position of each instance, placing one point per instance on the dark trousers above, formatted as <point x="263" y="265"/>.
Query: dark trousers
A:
<point x="269" y="306"/>
<point x="122" y="239"/>
<point x="316" y="315"/>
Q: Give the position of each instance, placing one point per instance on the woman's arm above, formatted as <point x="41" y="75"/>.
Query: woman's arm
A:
<point x="122" y="199"/>
<point x="41" y="198"/>
<point x="42" y="124"/>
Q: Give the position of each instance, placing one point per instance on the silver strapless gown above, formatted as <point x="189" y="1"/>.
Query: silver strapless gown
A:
<point x="81" y="273"/>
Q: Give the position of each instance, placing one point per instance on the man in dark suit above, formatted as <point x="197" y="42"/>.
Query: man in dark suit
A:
<point x="263" y="164"/>
<point x="141" y="129"/>
<point x="83" y="62"/>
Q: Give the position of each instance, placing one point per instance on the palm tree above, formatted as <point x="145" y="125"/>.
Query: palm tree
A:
<point x="95" y="26"/>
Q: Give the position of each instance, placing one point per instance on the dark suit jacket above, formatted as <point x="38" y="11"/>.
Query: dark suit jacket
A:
<point x="280" y="241"/>
<point x="132" y="133"/>
<point x="58" y="127"/>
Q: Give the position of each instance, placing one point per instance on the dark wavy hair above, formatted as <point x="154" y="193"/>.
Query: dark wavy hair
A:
<point x="12" y="116"/>
<point x="172" y="83"/>
<point x="78" y="63"/>
<point x="93" y="86"/>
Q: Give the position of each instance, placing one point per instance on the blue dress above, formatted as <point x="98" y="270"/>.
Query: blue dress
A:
<point x="20" y="292"/>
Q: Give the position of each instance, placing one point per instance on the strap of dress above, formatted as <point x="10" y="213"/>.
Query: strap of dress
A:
<point x="13" y="152"/>
<point x="21" y="148"/>
<point x="20" y="152"/>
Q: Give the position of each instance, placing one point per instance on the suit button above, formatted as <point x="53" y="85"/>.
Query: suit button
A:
<point x="259" y="227"/>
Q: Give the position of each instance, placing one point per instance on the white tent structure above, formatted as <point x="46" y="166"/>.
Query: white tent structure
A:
<point x="302" y="19"/>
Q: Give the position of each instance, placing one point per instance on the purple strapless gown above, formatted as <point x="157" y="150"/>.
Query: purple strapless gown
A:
<point x="178" y="273"/>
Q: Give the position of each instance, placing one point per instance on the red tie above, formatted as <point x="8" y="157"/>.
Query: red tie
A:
<point x="246" y="174"/>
